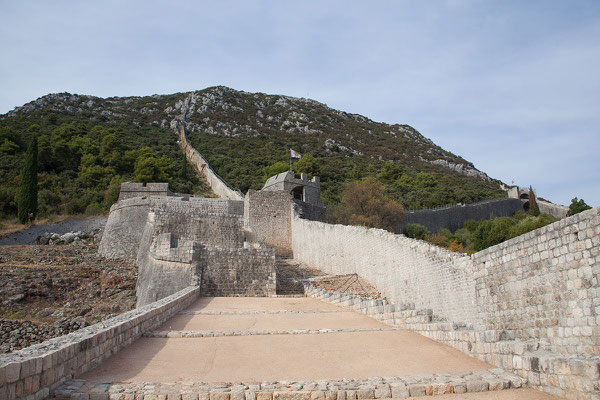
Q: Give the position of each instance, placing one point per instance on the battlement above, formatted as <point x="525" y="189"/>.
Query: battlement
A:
<point x="136" y="189"/>
<point x="302" y="189"/>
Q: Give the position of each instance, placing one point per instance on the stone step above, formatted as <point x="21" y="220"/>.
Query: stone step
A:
<point x="343" y="389"/>
<point x="211" y="333"/>
<point x="253" y="312"/>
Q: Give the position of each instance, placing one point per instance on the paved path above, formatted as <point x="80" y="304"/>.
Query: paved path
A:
<point x="279" y="357"/>
<point x="347" y="347"/>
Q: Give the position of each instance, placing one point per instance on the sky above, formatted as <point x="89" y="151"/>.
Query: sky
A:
<point x="512" y="86"/>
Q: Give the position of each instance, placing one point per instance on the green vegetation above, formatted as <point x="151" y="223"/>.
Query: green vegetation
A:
<point x="89" y="145"/>
<point x="82" y="162"/>
<point x="27" y="194"/>
<point x="365" y="204"/>
<point x="478" y="235"/>
<point x="577" y="206"/>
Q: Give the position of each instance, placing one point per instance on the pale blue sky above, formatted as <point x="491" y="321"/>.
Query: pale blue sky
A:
<point x="513" y="86"/>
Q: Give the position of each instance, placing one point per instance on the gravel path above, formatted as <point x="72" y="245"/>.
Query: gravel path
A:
<point x="29" y="235"/>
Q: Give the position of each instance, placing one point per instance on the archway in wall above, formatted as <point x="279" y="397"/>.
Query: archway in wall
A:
<point x="298" y="192"/>
<point x="524" y="196"/>
<point x="526" y="206"/>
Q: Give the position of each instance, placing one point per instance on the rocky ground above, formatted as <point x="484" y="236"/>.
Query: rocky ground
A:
<point x="349" y="283"/>
<point x="33" y="232"/>
<point x="54" y="289"/>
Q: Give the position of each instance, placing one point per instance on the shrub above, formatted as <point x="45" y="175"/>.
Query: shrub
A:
<point x="415" y="231"/>
<point x="28" y="190"/>
<point x="366" y="204"/>
<point x="93" y="209"/>
<point x="577" y="206"/>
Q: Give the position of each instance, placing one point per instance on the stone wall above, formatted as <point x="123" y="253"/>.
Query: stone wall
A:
<point x="454" y="217"/>
<point x="268" y="217"/>
<point x="216" y="230"/>
<point x="556" y="210"/>
<point x="238" y="272"/>
<point x="404" y="270"/>
<point x="124" y="228"/>
<point x="544" y="285"/>
<point x="166" y="265"/>
<point x="218" y="185"/>
<point x="530" y="305"/>
<point x="135" y="189"/>
<point x="127" y="219"/>
<point x="33" y="372"/>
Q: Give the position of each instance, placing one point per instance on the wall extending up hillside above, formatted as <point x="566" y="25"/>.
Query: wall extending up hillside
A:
<point x="404" y="270"/>
<point x="218" y="186"/>
<point x="530" y="304"/>
<point x="454" y="217"/>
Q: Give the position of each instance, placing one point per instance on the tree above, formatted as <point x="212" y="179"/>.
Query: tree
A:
<point x="534" y="209"/>
<point x="307" y="164"/>
<point x="577" y="206"/>
<point x="389" y="173"/>
<point x="277" y="168"/>
<point x="366" y="204"/>
<point x="28" y="188"/>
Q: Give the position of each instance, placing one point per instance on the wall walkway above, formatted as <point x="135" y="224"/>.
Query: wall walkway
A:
<point x="530" y="305"/>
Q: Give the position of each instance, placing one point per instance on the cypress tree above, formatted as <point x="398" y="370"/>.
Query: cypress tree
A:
<point x="28" y="188"/>
<point x="534" y="209"/>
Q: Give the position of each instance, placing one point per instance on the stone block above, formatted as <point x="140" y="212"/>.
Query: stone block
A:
<point x="477" y="386"/>
<point x="237" y="395"/>
<point x="316" y="395"/>
<point x="12" y="372"/>
<point x="399" y="391"/>
<point x="383" y="391"/>
<point x="416" y="390"/>
<point x="292" y="395"/>
<point x="264" y="395"/>
<point x="189" y="396"/>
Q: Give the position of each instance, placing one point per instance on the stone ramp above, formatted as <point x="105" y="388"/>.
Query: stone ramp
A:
<point x="273" y="348"/>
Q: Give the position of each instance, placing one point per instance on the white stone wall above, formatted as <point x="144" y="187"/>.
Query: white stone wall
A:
<point x="545" y="285"/>
<point x="218" y="186"/>
<point x="406" y="271"/>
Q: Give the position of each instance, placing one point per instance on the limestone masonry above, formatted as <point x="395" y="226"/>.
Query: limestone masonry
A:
<point x="529" y="306"/>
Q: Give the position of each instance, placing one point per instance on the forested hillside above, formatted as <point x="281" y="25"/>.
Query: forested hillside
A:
<point x="88" y="145"/>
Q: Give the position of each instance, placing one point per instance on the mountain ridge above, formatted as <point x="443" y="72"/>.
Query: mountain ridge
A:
<point x="245" y="135"/>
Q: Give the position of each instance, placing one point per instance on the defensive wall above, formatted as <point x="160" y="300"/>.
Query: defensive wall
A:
<point x="556" y="210"/>
<point x="454" y="217"/>
<point x="183" y="241"/>
<point x="136" y="189"/>
<point x="218" y="185"/>
<point x="530" y="305"/>
<point x="33" y="372"/>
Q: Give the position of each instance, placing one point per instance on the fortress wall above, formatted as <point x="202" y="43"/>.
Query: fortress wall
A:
<point x="124" y="228"/>
<point x="166" y="265"/>
<point x="36" y="370"/>
<point x="545" y="285"/>
<point x="237" y="272"/>
<point x="268" y="216"/>
<point x="186" y="221"/>
<point x="536" y="297"/>
<point x="556" y="210"/>
<point x="218" y="186"/>
<point x="406" y="271"/>
<point x="136" y="189"/>
<point x="454" y="217"/>
<point x="127" y="218"/>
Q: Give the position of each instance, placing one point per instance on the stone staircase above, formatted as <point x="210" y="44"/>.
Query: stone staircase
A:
<point x="289" y="277"/>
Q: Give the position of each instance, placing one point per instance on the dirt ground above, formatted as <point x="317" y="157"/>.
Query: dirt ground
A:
<point x="50" y="290"/>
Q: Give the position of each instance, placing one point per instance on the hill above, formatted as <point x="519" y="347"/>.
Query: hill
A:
<point x="88" y="145"/>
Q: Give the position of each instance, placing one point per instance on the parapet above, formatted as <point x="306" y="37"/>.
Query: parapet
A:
<point x="136" y="189"/>
<point x="302" y="189"/>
